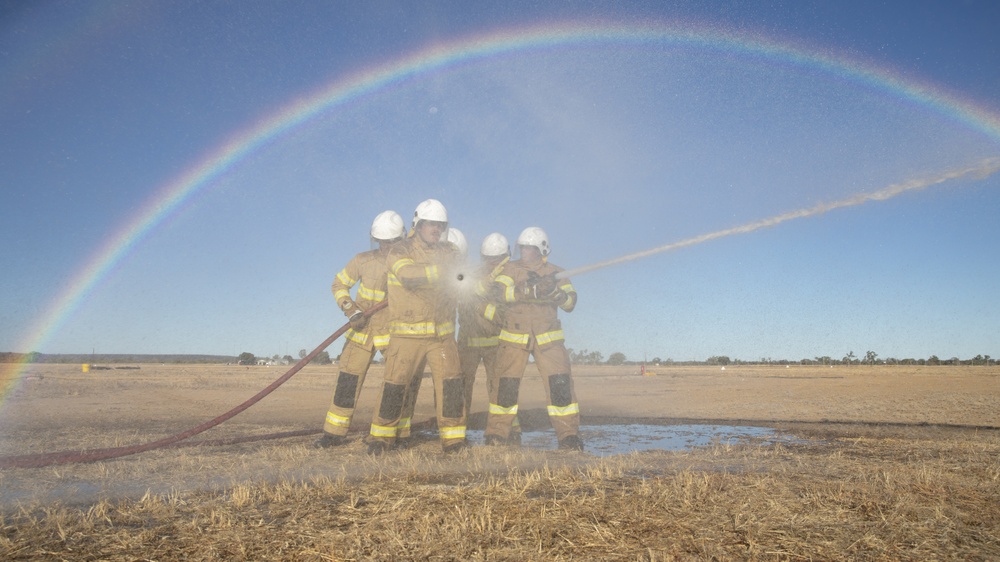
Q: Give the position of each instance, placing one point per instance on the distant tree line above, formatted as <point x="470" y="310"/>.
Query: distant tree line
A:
<point x="111" y="358"/>
<point x="581" y="357"/>
<point x="587" y="357"/>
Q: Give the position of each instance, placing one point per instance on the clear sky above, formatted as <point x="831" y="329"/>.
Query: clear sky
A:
<point x="645" y="124"/>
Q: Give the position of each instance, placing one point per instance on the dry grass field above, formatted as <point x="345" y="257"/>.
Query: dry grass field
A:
<point x="887" y="463"/>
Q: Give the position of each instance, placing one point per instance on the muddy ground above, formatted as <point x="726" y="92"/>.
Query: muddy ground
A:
<point x="60" y="407"/>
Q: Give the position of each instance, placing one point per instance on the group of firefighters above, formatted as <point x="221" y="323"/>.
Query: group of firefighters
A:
<point x="507" y="310"/>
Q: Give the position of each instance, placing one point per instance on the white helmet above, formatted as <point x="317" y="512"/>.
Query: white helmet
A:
<point x="430" y="210"/>
<point x="534" y="236"/>
<point x="494" y="245"/>
<point x="456" y="237"/>
<point x="388" y="225"/>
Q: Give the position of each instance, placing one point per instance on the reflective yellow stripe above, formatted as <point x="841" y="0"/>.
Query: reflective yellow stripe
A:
<point x="341" y="294"/>
<point x="567" y="287"/>
<point x="569" y="303"/>
<point x="549" y="337"/>
<point x="516" y="424"/>
<point x="359" y="338"/>
<point x="484" y="342"/>
<point x="497" y="409"/>
<point x="421" y="328"/>
<point x="557" y="411"/>
<point x="383" y="431"/>
<point x="403" y="428"/>
<point x="407" y="329"/>
<point x="456" y="432"/>
<point x="400" y="263"/>
<point x="381" y="341"/>
<point x="339" y="421"/>
<point x="513" y="338"/>
<point x="431" y="272"/>
<point x="490" y="312"/>
<point x="374" y="295"/>
<point x="344" y="278"/>
<point x="508" y="282"/>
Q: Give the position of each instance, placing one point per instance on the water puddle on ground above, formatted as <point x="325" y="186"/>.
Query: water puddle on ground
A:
<point x="615" y="439"/>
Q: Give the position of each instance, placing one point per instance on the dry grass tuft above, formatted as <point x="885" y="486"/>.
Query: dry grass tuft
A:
<point x="878" y="497"/>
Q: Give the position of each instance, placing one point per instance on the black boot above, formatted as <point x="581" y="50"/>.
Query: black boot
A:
<point x="329" y="440"/>
<point x="492" y="440"/>
<point x="571" y="443"/>
<point x="455" y="447"/>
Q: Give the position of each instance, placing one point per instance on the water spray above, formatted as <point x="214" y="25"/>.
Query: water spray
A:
<point x="984" y="169"/>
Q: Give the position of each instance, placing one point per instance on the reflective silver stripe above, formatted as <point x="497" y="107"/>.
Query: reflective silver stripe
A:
<point x="339" y="421"/>
<point x="344" y="278"/>
<point x="400" y="263"/>
<point x="383" y="431"/>
<point x="421" y="328"/>
<point x="370" y="294"/>
<point x="513" y="338"/>
<point x="490" y="312"/>
<point x="359" y="338"/>
<point x="381" y="341"/>
<point x="549" y="337"/>
<point x="341" y="294"/>
<point x="499" y="410"/>
<point x="570" y="410"/>
<point x="417" y="329"/>
<point x="456" y="432"/>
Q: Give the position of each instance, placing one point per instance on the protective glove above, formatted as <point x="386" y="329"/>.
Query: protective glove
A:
<point x="358" y="320"/>
<point x="546" y="287"/>
<point x="558" y="297"/>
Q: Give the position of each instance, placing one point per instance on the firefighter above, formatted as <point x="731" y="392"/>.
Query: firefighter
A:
<point x="368" y="270"/>
<point x="532" y="295"/>
<point x="478" y="336"/>
<point x="422" y="303"/>
<point x="404" y="426"/>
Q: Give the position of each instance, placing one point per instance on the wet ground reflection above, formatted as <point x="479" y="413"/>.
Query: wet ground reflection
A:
<point x="616" y="439"/>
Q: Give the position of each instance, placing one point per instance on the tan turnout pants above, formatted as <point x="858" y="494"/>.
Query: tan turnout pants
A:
<point x="354" y="363"/>
<point x="405" y="359"/>
<point x="552" y="361"/>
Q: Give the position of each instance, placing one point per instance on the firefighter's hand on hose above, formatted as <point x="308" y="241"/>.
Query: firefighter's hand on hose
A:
<point x="358" y="320"/>
<point x="558" y="297"/>
<point x="541" y="288"/>
<point x="546" y="287"/>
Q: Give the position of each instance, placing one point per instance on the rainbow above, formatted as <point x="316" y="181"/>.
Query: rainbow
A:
<point x="170" y="198"/>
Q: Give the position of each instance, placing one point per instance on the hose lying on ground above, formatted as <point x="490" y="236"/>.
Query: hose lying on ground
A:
<point x="91" y="455"/>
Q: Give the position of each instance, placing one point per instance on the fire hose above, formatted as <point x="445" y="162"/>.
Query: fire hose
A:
<point x="93" y="455"/>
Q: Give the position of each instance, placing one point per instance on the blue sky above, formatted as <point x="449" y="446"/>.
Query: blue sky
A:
<point x="613" y="147"/>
